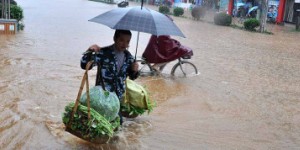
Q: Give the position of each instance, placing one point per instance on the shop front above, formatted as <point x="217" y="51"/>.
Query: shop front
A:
<point x="279" y="11"/>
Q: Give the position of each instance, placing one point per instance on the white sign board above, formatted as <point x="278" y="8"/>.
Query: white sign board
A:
<point x="1" y="27"/>
<point x="297" y="1"/>
<point x="11" y="27"/>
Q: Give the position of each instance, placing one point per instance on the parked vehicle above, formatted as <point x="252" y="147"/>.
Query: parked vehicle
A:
<point x="123" y="4"/>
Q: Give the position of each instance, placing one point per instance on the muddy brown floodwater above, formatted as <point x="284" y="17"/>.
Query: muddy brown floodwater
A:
<point x="247" y="95"/>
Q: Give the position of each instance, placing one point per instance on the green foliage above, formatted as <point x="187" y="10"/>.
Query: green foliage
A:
<point x="251" y="24"/>
<point x="178" y="11"/>
<point x="16" y="12"/>
<point x="20" y="26"/>
<point x="222" y="19"/>
<point x="164" y="9"/>
<point x="132" y="110"/>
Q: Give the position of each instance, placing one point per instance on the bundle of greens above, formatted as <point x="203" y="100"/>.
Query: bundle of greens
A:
<point x="129" y="110"/>
<point x="96" y="127"/>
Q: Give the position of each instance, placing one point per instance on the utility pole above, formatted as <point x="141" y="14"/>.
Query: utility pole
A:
<point x="3" y="8"/>
<point x="8" y="4"/>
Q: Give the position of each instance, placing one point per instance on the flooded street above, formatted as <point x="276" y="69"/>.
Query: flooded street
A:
<point x="247" y="95"/>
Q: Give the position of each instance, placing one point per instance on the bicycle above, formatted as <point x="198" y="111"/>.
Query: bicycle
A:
<point x="182" y="68"/>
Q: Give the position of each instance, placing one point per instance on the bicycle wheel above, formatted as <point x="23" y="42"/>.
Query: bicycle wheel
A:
<point x="184" y="69"/>
<point x="144" y="68"/>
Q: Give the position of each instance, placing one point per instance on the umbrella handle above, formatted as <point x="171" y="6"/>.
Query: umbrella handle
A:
<point x="137" y="44"/>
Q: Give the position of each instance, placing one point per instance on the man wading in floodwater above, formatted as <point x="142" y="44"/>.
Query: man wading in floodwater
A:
<point x="116" y="63"/>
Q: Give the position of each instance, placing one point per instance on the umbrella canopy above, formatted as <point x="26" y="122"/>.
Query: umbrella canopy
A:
<point x="138" y="19"/>
<point x="240" y="4"/>
<point x="252" y="9"/>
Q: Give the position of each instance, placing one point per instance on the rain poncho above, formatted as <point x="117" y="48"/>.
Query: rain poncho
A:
<point x="165" y="49"/>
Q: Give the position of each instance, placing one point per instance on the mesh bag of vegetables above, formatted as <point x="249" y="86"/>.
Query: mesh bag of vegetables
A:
<point x="97" y="129"/>
<point x="104" y="102"/>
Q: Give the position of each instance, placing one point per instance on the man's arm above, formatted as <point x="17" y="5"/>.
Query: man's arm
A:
<point x="133" y="68"/>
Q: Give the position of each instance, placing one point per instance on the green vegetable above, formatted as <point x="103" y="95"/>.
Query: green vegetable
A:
<point x="97" y="126"/>
<point x="133" y="110"/>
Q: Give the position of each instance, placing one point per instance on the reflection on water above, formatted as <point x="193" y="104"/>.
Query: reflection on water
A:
<point x="246" y="97"/>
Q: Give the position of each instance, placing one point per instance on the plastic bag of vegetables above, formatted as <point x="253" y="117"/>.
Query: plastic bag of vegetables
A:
<point x="136" y="100"/>
<point x="104" y="102"/>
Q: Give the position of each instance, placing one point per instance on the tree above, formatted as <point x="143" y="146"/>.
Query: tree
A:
<point x="16" y="12"/>
<point x="263" y="15"/>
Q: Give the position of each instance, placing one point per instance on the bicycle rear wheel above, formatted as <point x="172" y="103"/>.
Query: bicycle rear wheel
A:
<point x="184" y="69"/>
<point x="144" y="68"/>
